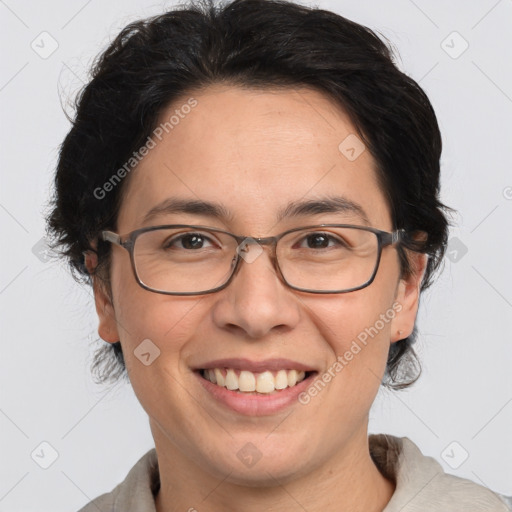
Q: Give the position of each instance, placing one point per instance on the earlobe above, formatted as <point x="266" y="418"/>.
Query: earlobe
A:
<point x="90" y="261"/>
<point x="107" y="326"/>
<point x="408" y="296"/>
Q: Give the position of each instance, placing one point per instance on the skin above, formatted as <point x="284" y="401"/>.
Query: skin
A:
<point x="255" y="151"/>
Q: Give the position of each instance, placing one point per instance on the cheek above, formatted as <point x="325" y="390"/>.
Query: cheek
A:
<point x="168" y="322"/>
<point x="145" y="319"/>
<point x="362" y="316"/>
<point x="359" y="338"/>
<point x="357" y="328"/>
<point x="155" y="333"/>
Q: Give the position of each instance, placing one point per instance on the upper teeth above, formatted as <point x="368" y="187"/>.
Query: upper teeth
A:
<point x="265" y="382"/>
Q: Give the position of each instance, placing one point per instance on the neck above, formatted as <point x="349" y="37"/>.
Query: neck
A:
<point x="348" y="481"/>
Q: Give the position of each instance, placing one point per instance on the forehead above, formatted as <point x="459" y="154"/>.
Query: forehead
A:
<point x="254" y="152"/>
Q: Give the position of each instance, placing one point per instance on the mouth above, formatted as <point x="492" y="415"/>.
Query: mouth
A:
<point x="254" y="388"/>
<point x="254" y="383"/>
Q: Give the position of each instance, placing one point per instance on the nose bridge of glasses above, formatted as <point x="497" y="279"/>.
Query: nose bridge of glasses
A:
<point x="245" y="241"/>
<point x="248" y="254"/>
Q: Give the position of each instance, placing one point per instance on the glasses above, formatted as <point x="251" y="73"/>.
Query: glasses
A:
<point x="183" y="259"/>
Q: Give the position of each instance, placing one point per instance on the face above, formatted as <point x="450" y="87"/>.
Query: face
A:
<point x="255" y="153"/>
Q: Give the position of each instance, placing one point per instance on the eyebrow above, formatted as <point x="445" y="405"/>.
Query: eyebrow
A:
<point x="302" y="208"/>
<point x="190" y="206"/>
<point x="331" y="204"/>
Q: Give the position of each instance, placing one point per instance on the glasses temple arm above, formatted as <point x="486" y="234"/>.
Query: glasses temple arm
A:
<point x="110" y="236"/>
<point x="398" y="236"/>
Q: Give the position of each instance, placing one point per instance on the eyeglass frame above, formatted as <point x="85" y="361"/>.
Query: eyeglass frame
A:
<point x="384" y="239"/>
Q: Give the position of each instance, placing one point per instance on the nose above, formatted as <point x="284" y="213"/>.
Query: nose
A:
<point x="256" y="301"/>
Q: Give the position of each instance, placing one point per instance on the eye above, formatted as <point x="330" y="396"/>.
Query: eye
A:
<point x="320" y="241"/>
<point x="191" y="241"/>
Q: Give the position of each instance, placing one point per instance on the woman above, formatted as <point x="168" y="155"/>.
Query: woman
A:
<point x="253" y="191"/>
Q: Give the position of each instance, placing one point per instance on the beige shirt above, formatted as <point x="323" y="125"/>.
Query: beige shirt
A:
<point x="421" y="484"/>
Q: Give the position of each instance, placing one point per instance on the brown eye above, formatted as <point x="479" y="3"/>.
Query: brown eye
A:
<point x="317" y="241"/>
<point x="320" y="241"/>
<point x="190" y="241"/>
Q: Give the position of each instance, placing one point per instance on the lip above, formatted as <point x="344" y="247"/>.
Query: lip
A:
<point x="252" y="404"/>
<point x="256" y="366"/>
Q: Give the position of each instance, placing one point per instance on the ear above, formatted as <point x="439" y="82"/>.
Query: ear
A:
<point x="107" y="327"/>
<point x="408" y="296"/>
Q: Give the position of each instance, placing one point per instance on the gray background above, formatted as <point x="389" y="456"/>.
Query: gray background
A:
<point x="461" y="407"/>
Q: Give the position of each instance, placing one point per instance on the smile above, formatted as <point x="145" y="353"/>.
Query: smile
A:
<point x="245" y="381"/>
<point x="252" y="387"/>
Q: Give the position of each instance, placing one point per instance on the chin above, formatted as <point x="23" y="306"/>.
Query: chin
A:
<point x="263" y="475"/>
<point x="256" y="462"/>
